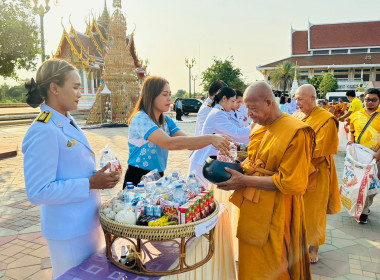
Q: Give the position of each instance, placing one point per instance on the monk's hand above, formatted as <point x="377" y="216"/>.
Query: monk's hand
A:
<point x="222" y="143"/>
<point x="234" y="183"/>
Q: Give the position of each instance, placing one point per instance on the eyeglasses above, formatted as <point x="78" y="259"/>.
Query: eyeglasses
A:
<point x="371" y="100"/>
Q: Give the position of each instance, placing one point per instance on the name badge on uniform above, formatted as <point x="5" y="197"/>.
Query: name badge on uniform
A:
<point x="69" y="144"/>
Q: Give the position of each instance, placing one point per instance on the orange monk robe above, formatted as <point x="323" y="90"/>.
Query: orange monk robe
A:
<point x="327" y="106"/>
<point x="338" y="110"/>
<point x="322" y="197"/>
<point x="271" y="229"/>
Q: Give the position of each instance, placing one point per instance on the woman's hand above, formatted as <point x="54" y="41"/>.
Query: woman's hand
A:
<point x="234" y="183"/>
<point x="222" y="143"/>
<point x="103" y="180"/>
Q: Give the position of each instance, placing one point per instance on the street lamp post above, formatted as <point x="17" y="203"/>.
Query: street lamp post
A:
<point x="194" y="79"/>
<point x="41" y="11"/>
<point x="190" y="64"/>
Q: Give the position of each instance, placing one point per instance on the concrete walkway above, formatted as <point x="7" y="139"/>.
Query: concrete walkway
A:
<point x="351" y="251"/>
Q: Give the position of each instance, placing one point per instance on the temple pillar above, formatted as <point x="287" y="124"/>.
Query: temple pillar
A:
<point x="92" y="82"/>
<point x="85" y="82"/>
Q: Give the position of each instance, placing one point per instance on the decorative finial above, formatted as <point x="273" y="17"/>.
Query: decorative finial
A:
<point x="117" y="4"/>
<point x="295" y="72"/>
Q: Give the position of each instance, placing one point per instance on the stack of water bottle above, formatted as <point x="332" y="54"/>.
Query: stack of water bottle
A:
<point x="161" y="201"/>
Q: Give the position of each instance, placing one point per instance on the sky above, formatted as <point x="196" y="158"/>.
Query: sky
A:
<point x="168" y="31"/>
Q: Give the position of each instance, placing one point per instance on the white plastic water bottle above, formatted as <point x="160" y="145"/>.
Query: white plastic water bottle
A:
<point x="129" y="194"/>
<point x="140" y="190"/>
<point x="192" y="184"/>
<point x="104" y="159"/>
<point x="179" y="195"/>
<point x="159" y="189"/>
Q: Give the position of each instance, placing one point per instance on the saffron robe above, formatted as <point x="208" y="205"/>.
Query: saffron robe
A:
<point x="271" y="227"/>
<point x="323" y="196"/>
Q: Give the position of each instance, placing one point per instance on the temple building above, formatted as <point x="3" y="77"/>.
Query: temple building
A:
<point x="87" y="51"/>
<point x="350" y="51"/>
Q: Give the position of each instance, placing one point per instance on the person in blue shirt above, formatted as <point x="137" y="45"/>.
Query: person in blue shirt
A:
<point x="282" y="104"/>
<point x="178" y="109"/>
<point x="59" y="168"/>
<point x="152" y="134"/>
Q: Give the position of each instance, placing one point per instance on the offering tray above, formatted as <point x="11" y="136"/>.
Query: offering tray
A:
<point x="139" y="235"/>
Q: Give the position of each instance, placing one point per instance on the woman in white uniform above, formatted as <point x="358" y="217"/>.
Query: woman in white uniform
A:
<point x="218" y="121"/>
<point x="59" y="168"/>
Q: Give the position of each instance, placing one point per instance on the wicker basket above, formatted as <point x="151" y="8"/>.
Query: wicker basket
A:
<point x="136" y="234"/>
<point x="152" y="233"/>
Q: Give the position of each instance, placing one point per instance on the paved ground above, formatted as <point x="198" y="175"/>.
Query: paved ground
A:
<point x="351" y="251"/>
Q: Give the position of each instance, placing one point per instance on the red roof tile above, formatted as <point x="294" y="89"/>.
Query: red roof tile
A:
<point x="341" y="59"/>
<point x="342" y="35"/>
<point x="299" y="42"/>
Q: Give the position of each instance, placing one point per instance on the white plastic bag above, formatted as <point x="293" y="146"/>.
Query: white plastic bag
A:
<point x="359" y="179"/>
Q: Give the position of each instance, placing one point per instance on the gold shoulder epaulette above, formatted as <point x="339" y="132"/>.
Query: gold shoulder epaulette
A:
<point x="44" y="116"/>
<point x="209" y="104"/>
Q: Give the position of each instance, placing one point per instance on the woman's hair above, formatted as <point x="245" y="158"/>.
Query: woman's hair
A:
<point x="51" y="71"/>
<point x="152" y="87"/>
<point x="224" y="91"/>
<point x="289" y="100"/>
<point x="215" y="87"/>
<point x="282" y="99"/>
<point x="238" y="93"/>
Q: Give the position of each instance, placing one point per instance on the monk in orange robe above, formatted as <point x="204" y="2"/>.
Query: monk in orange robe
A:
<point x="271" y="227"/>
<point x="322" y="196"/>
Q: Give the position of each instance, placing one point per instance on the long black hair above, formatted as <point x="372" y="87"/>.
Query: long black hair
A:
<point x="224" y="91"/>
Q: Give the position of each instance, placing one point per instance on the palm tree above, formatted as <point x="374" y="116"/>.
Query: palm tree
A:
<point x="282" y="77"/>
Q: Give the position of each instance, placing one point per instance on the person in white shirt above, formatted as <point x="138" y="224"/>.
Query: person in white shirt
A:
<point x="206" y="106"/>
<point x="217" y="121"/>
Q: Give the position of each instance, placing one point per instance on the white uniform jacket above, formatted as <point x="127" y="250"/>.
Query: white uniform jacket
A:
<point x="218" y="121"/>
<point x="58" y="162"/>
<point x="202" y="115"/>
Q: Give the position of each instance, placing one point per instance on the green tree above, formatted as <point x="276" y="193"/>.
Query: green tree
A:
<point x="180" y="93"/>
<point x="223" y="70"/>
<point x="315" y="81"/>
<point x="282" y="77"/>
<point x="328" y="84"/>
<point x="18" y="37"/>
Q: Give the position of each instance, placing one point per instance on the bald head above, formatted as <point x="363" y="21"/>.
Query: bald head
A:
<point x="306" y="97"/>
<point x="261" y="104"/>
<point x="259" y="90"/>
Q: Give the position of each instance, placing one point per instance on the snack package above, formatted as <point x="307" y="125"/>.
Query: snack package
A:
<point x="107" y="155"/>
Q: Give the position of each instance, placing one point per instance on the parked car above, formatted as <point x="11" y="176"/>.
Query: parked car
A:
<point x="191" y="105"/>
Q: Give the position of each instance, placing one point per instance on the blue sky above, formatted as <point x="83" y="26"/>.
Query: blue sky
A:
<point x="167" y="31"/>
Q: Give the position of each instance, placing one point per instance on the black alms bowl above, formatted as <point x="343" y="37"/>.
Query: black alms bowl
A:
<point x="213" y="170"/>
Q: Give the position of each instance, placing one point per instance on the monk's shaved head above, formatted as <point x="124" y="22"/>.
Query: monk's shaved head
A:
<point x="259" y="90"/>
<point x="261" y="104"/>
<point x="306" y="97"/>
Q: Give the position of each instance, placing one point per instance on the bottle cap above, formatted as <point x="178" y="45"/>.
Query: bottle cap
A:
<point x="178" y="186"/>
<point x="159" y="184"/>
<point x="140" y="185"/>
<point x="130" y="187"/>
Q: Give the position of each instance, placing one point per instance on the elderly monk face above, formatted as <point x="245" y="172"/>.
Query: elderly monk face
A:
<point x="333" y="102"/>
<point x="306" y="98"/>
<point x="259" y="100"/>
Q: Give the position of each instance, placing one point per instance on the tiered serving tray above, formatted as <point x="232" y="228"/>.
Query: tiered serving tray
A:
<point x="140" y="235"/>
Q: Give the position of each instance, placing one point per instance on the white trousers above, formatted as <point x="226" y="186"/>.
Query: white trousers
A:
<point x="66" y="254"/>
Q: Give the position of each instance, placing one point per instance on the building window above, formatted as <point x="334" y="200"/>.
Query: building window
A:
<point x="341" y="76"/>
<point x="339" y="51"/>
<point x="377" y="77"/>
<point x="321" y="52"/>
<point x="340" y="70"/>
<point x="359" y="50"/>
<point x="374" y="50"/>
<point x="365" y="77"/>
<point x="318" y="71"/>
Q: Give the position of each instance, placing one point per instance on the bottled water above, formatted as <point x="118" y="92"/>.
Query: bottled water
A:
<point x="159" y="189"/>
<point x="174" y="177"/>
<point x="150" y="189"/>
<point x="140" y="190"/>
<point x="192" y="184"/>
<point x="228" y="158"/>
<point x="179" y="195"/>
<point x="104" y="159"/>
<point x="129" y="194"/>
